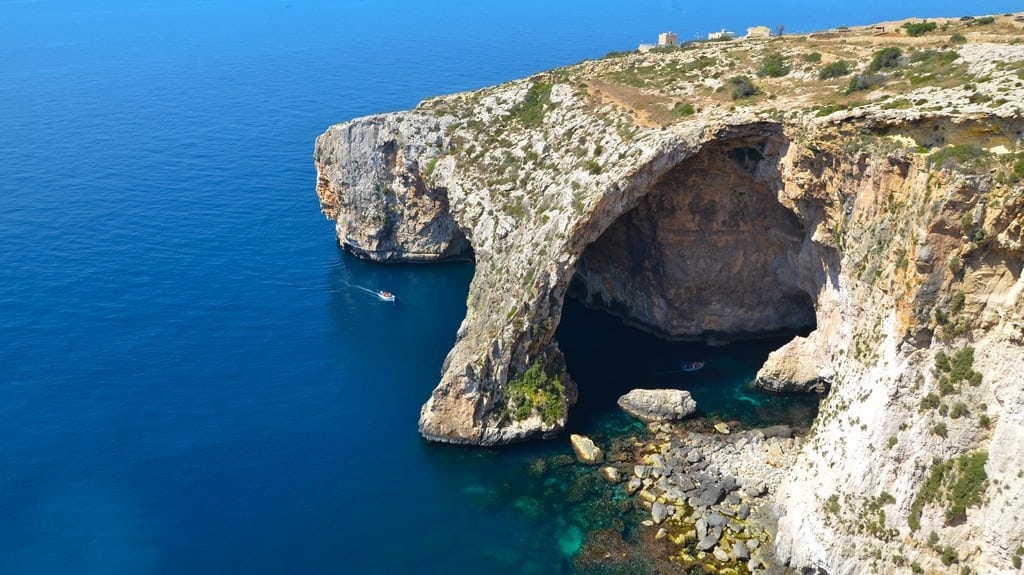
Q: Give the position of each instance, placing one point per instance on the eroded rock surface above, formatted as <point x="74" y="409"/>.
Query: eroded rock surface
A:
<point x="370" y="182"/>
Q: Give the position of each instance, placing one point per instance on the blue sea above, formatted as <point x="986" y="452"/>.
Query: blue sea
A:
<point x="189" y="383"/>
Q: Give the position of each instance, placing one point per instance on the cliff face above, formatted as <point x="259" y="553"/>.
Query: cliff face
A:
<point x="375" y="191"/>
<point x="685" y="261"/>
<point x="889" y="220"/>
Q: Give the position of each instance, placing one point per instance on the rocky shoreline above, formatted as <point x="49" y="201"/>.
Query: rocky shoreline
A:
<point x="708" y="494"/>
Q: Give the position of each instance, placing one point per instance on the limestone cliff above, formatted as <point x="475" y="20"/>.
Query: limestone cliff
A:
<point x="871" y="194"/>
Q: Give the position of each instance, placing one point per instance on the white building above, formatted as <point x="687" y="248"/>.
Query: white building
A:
<point x="665" y="39"/>
<point x="759" y="32"/>
<point x="723" y="34"/>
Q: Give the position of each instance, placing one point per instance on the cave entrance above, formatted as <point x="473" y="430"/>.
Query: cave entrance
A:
<point x="709" y="266"/>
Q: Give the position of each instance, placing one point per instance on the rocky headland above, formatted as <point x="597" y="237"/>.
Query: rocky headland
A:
<point x="865" y="184"/>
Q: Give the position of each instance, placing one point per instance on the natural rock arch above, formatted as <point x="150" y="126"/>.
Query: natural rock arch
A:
<point x="708" y="251"/>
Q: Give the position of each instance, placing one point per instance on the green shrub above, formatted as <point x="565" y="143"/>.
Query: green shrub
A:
<point x="985" y="20"/>
<point x="940" y="429"/>
<point x="957" y="303"/>
<point x="430" y="167"/>
<point x="931" y="490"/>
<point x="934" y="57"/>
<point x="836" y="69"/>
<point x="916" y="568"/>
<point x="957" y="39"/>
<point x="774" y="66"/>
<point x="742" y="87"/>
<point x="1016" y="561"/>
<point x="930" y="401"/>
<point x="949" y="556"/>
<point x="864" y="82"/>
<point x="960" y="156"/>
<point x="984" y="421"/>
<point x="1018" y="168"/>
<point x="534" y="392"/>
<point x="919" y="28"/>
<point x="892" y="442"/>
<point x="933" y="539"/>
<point x="832" y="506"/>
<point x="958" y="410"/>
<point x="684" y="109"/>
<point x="885" y="58"/>
<point x="969" y="486"/>
<point x="593" y="167"/>
<point x="959" y="483"/>
<point x="962" y="365"/>
<point x="812" y="58"/>
<point x="829" y="109"/>
<point x="530" y="112"/>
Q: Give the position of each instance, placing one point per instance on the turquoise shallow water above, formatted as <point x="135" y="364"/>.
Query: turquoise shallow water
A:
<point x="189" y="382"/>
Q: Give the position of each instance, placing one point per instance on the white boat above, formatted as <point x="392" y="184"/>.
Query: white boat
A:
<point x="692" y="365"/>
<point x="386" y="295"/>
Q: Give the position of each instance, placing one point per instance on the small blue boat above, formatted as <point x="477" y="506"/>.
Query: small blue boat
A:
<point x="692" y="365"/>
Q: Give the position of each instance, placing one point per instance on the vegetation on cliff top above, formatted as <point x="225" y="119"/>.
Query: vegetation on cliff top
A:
<point x="805" y="71"/>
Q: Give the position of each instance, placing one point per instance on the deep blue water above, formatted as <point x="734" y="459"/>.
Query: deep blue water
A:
<point x="189" y="384"/>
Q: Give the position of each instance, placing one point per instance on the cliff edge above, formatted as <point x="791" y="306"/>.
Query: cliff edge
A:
<point x="865" y="186"/>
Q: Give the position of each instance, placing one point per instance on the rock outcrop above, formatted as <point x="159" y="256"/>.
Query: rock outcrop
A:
<point x="884" y="214"/>
<point x="796" y="367"/>
<point x="585" y="449"/>
<point x="649" y="405"/>
<point x="384" y="209"/>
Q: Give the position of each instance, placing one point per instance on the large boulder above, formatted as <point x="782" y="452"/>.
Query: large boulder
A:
<point x="586" y="451"/>
<point x="650" y="405"/>
<point x="794" y="368"/>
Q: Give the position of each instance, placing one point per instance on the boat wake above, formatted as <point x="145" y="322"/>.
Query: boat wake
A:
<point x="381" y="294"/>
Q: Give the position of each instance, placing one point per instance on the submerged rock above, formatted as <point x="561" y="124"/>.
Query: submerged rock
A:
<point x="611" y="474"/>
<point x="650" y="405"/>
<point x="585" y="450"/>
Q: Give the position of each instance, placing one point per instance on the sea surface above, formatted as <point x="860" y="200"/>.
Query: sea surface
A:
<point x="192" y="380"/>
